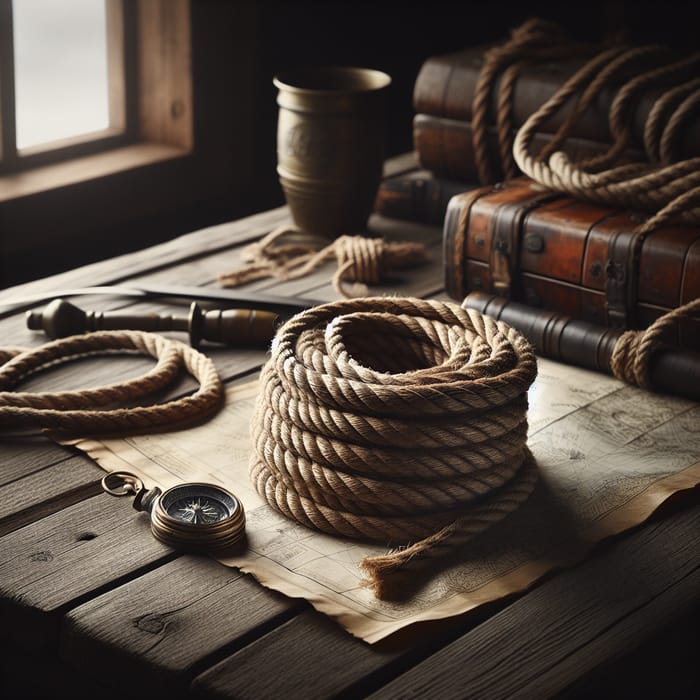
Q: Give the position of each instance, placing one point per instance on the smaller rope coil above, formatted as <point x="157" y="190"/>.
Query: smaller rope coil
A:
<point x="93" y="411"/>
<point x="286" y="254"/>
<point x="397" y="420"/>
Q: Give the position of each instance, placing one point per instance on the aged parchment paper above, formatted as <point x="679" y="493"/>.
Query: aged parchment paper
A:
<point x="608" y="455"/>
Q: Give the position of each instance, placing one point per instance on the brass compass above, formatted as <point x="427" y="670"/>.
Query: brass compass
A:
<point x="191" y="516"/>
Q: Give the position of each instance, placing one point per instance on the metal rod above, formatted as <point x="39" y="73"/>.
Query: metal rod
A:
<point x="285" y="306"/>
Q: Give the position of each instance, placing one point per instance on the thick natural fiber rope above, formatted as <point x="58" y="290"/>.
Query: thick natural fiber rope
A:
<point x="665" y="190"/>
<point x="92" y="411"/>
<point x="398" y="420"/>
<point x="633" y="349"/>
<point x="281" y="254"/>
<point x="534" y="40"/>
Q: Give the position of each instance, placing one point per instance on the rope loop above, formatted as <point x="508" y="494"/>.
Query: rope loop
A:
<point x="94" y="411"/>
<point x="631" y="355"/>
<point x="661" y="183"/>
<point x="658" y="184"/>
<point x="395" y="419"/>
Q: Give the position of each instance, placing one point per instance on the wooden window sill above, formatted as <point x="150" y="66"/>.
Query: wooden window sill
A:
<point x="77" y="170"/>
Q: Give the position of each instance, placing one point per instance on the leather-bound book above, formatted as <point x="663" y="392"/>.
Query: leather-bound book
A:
<point x="418" y="196"/>
<point x="445" y="85"/>
<point x="446" y="148"/>
<point x="526" y="243"/>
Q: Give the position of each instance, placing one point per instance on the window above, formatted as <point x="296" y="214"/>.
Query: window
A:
<point x="62" y="79"/>
<point x="193" y="152"/>
<point x="78" y="77"/>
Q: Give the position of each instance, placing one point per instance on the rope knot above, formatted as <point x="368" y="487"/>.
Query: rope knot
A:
<point x="631" y="356"/>
<point x="360" y="259"/>
<point x="287" y="253"/>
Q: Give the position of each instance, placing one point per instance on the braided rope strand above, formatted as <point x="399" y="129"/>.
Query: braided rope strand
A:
<point x="285" y="254"/>
<point x="91" y="411"/>
<point x="632" y="351"/>
<point x="668" y="189"/>
<point x="422" y="443"/>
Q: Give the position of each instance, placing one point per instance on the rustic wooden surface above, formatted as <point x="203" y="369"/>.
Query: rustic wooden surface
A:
<point x="92" y="604"/>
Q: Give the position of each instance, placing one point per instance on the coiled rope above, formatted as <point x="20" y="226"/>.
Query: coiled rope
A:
<point x="96" y="411"/>
<point x="397" y="420"/>
<point x="661" y="183"/>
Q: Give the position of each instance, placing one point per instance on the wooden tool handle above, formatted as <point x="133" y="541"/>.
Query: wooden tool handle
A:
<point x="234" y="327"/>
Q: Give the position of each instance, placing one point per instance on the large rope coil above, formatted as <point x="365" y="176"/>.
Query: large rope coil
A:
<point x="396" y="420"/>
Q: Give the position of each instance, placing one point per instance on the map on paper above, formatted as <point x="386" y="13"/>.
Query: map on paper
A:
<point x="608" y="455"/>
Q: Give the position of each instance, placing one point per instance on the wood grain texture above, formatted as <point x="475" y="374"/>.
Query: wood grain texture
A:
<point x="52" y="564"/>
<point x="565" y="628"/>
<point x="161" y="627"/>
<point x="306" y="657"/>
<point x="34" y="496"/>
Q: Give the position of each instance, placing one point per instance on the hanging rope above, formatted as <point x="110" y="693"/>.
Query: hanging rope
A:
<point x="632" y="353"/>
<point x="667" y="189"/>
<point x="534" y="40"/>
<point x="93" y="411"/>
<point x="397" y="420"/>
<point x="286" y="254"/>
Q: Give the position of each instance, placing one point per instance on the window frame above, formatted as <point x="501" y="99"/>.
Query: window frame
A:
<point x="121" y="129"/>
<point x="193" y="160"/>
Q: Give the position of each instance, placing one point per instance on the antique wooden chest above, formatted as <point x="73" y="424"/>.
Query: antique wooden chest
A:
<point x="529" y="244"/>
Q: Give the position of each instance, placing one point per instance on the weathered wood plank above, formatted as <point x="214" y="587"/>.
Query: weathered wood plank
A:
<point x="47" y="491"/>
<point x="189" y="246"/>
<point x="75" y="553"/>
<point x="311" y="657"/>
<point x="617" y="661"/>
<point x="26" y="454"/>
<point x="124" y="267"/>
<point x="565" y="628"/>
<point x="160" y="628"/>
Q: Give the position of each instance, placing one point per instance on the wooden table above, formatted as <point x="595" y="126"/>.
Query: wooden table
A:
<point x="89" y="606"/>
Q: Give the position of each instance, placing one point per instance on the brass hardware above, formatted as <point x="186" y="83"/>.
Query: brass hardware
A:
<point x="331" y="146"/>
<point x="190" y="516"/>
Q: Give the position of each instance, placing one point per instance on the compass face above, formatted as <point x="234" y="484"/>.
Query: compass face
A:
<point x="197" y="504"/>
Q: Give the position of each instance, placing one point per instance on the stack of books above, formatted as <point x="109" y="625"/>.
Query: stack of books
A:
<point x="514" y="238"/>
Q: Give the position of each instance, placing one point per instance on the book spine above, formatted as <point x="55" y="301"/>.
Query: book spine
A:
<point x="558" y="337"/>
<point x="419" y="197"/>
<point x="446" y="148"/>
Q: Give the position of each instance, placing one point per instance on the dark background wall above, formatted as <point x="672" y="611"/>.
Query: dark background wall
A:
<point x="74" y="226"/>
<point x="397" y="37"/>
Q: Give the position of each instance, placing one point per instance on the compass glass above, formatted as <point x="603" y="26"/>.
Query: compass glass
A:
<point x="198" y="504"/>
